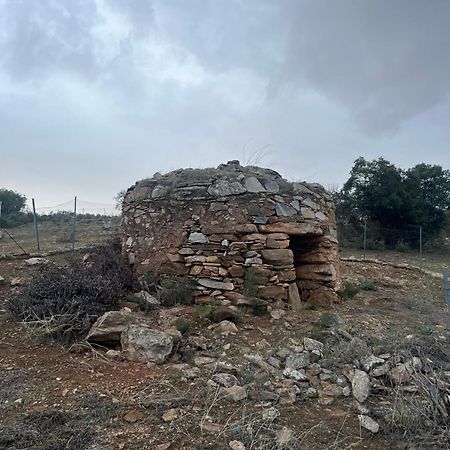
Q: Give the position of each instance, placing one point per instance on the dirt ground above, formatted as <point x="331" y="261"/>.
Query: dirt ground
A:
<point x="54" y="397"/>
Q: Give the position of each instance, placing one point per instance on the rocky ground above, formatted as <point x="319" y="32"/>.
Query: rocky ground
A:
<point x="372" y="374"/>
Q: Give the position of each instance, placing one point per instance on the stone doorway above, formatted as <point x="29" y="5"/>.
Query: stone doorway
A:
<point x="314" y="268"/>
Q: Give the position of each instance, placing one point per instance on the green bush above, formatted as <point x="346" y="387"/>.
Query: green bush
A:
<point x="348" y="290"/>
<point x="177" y="292"/>
<point x="368" y="285"/>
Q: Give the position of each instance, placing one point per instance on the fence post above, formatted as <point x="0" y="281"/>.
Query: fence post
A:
<point x="420" y="241"/>
<point x="446" y="289"/>
<point x="365" y="238"/>
<point x="74" y="222"/>
<point x="36" y="230"/>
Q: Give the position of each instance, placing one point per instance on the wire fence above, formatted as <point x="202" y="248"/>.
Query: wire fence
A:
<point x="69" y="225"/>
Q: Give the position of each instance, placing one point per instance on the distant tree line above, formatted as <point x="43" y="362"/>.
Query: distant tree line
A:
<point x="394" y="203"/>
<point x="14" y="211"/>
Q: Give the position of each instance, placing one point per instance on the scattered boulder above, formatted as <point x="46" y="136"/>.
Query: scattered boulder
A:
<point x="360" y="385"/>
<point x="370" y="362"/>
<point x="225" y="379"/>
<point x="109" y="326"/>
<point x="298" y="361"/>
<point x="235" y="393"/>
<point x="150" y="301"/>
<point x="368" y="423"/>
<point x="144" y="344"/>
<point x="134" y="415"/>
<point x="294" y="374"/>
<point x="36" y="261"/>
<point x="312" y="344"/>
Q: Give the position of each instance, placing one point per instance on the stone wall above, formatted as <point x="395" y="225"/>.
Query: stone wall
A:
<point x="235" y="228"/>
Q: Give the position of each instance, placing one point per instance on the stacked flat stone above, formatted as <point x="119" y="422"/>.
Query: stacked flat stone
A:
<point x="217" y="225"/>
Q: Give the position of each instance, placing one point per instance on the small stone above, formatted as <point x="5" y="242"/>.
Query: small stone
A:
<point x="360" y="385"/>
<point x="113" y="354"/>
<point x="380" y="370"/>
<point x="15" y="281"/>
<point x="270" y="414"/>
<point x="277" y="314"/>
<point x="274" y="362"/>
<point x="370" y="362"/>
<point x="191" y="373"/>
<point x="225" y="379"/>
<point x="197" y="238"/>
<point x="294" y="374"/>
<point x="399" y="374"/>
<point x="36" y="261"/>
<point x="134" y="416"/>
<point x="236" y="445"/>
<point x="226" y="327"/>
<point x="203" y="360"/>
<point x="170" y="415"/>
<point x="368" y="423"/>
<point x="299" y="361"/>
<point x="210" y="427"/>
<point x="285" y="437"/>
<point x="312" y="344"/>
<point x="235" y="393"/>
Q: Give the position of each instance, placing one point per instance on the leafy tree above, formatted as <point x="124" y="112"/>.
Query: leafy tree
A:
<point x="394" y="201"/>
<point x="12" y="202"/>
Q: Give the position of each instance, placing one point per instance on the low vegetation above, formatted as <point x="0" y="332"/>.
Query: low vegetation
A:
<point x="60" y="303"/>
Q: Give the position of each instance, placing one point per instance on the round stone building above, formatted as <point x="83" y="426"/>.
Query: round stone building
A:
<point x="231" y="226"/>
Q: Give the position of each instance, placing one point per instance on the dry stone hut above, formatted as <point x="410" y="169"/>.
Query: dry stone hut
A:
<point x="235" y="229"/>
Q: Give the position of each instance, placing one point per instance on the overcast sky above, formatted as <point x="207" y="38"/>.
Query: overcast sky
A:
<point x="96" y="94"/>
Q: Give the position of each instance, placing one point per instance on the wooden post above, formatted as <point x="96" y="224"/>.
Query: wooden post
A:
<point x="74" y="222"/>
<point x="447" y="290"/>
<point x="365" y="238"/>
<point x="36" y="230"/>
<point x="420" y="241"/>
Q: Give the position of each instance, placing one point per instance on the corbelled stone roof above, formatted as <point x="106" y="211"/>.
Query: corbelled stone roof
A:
<point x="226" y="180"/>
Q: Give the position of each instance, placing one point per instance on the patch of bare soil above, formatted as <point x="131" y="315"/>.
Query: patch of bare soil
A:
<point x="53" y="398"/>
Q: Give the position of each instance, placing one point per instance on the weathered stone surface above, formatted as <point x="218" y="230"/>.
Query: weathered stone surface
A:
<point x="292" y="228"/>
<point x="273" y="292"/>
<point x="298" y="361"/>
<point x="110" y="326"/>
<point x="278" y="256"/>
<point x="368" y="423"/>
<point x="235" y="393"/>
<point x="272" y="187"/>
<point x="360" y="385"/>
<point x="212" y="224"/>
<point x="284" y="210"/>
<point x="144" y="344"/>
<point x="294" y="374"/>
<point x="197" y="238"/>
<point x="370" y="362"/>
<point x="36" y="261"/>
<point x="294" y="298"/>
<point x="252" y="184"/>
<point x="225" y="379"/>
<point x="225" y="188"/>
<point x="312" y="344"/>
<point x="213" y="284"/>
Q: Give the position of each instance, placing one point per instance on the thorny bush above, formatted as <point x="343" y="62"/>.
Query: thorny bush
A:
<point x="60" y="303"/>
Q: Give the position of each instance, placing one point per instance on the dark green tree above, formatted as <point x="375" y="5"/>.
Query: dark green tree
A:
<point x="394" y="201"/>
<point x="12" y="202"/>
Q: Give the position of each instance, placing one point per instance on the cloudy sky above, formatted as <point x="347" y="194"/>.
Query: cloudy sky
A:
<point x="96" y="94"/>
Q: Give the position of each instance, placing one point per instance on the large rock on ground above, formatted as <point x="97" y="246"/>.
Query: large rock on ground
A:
<point x="144" y="344"/>
<point x="109" y="326"/>
<point x="360" y="385"/>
